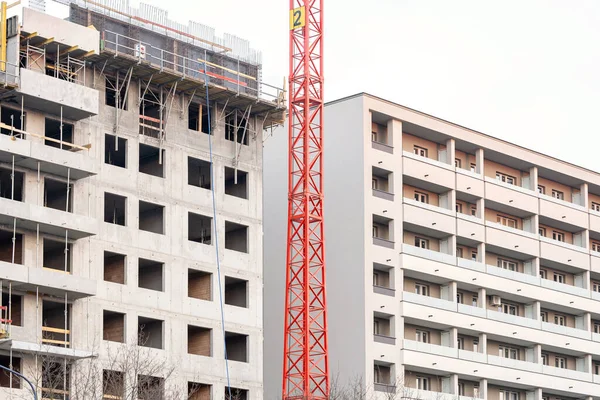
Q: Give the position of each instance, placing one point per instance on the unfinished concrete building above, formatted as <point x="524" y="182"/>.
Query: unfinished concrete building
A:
<point x="111" y="159"/>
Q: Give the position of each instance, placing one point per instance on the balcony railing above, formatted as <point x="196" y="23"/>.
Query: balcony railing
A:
<point x="384" y="339"/>
<point x="567" y="373"/>
<point x="427" y="206"/>
<point x="510" y="186"/>
<point x="430" y="254"/>
<point x="505" y="228"/>
<point x="514" y="275"/>
<point x="427" y="160"/>
<point x="562" y="244"/>
<point x="382" y="147"/>
<point x="382" y="194"/>
<point x="378" y="241"/>
<point x="562" y="287"/>
<point x="429" y="301"/>
<point x="566" y="330"/>
<point x="562" y="202"/>
<point x="386" y="291"/>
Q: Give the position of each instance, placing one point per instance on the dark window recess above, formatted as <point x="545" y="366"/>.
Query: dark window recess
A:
<point x="150" y="123"/>
<point x="58" y="195"/>
<point x="111" y="90"/>
<point x="6" y="247"/>
<point x="16" y="308"/>
<point x="236" y="394"/>
<point x="54" y="331"/>
<point x="11" y="117"/>
<point x="151" y="217"/>
<point x="199" y="173"/>
<point x="237" y="129"/>
<point x="151" y="162"/>
<point x="194" y="117"/>
<point x="207" y="120"/>
<point x="150" y="332"/>
<point x="236" y="292"/>
<point x="113" y="328"/>
<point x="7" y="190"/>
<point x="150" y="388"/>
<point x="53" y="132"/>
<point x="199" y="228"/>
<point x="236" y="183"/>
<point x="199" y="284"/>
<point x="199" y="341"/>
<point x="236" y="346"/>
<point x="113" y="384"/>
<point x="5" y="376"/>
<point x="115" y="154"/>
<point x="199" y="391"/>
<point x="115" y="209"/>
<point x="56" y="378"/>
<point x="236" y="237"/>
<point x="150" y="274"/>
<point x="55" y="254"/>
<point x="114" y="267"/>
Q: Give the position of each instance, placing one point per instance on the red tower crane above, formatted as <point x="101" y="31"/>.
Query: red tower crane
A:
<point x="305" y="361"/>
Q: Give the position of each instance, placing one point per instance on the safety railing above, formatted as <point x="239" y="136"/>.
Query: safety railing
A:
<point x="218" y="68"/>
<point x="56" y="336"/>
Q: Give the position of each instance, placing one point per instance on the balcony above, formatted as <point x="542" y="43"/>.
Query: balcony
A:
<point x="429" y="301"/>
<point x="383" y="194"/>
<point x="384" y="339"/>
<point x="426" y="169"/>
<point x="511" y="363"/>
<point x="566" y="330"/>
<point x="512" y="239"/>
<point x="47" y="281"/>
<point x="545" y="199"/>
<point x="514" y="275"/>
<point x="564" y="253"/>
<point x="382" y="147"/>
<point x="50" y="221"/>
<point x="51" y="160"/>
<point x="429" y="254"/>
<point x="513" y="319"/>
<point x="567" y="373"/>
<point x="430" y="348"/>
<point x="561" y="287"/>
<point x="427" y="215"/>
<point x="516" y="188"/>
<point x="384" y="291"/>
<point x="470" y="264"/>
<point x="24" y="347"/>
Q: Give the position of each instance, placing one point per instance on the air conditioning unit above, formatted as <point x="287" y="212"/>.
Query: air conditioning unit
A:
<point x="140" y="50"/>
<point x="496" y="300"/>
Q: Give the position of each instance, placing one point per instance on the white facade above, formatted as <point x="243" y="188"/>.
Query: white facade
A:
<point x="457" y="264"/>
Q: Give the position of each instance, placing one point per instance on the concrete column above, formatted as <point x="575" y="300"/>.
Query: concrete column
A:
<point x="533" y="178"/>
<point x="535" y="223"/>
<point x="536" y="309"/>
<point x="483" y="343"/>
<point x="536" y="394"/>
<point x="537" y="353"/>
<point x="452" y="291"/>
<point x="587" y="364"/>
<point x="452" y="200"/>
<point x="451" y="151"/>
<point x="481" y="298"/>
<point x="479" y="157"/>
<point x="394" y="132"/>
<point x="582" y="280"/>
<point x="480" y="209"/>
<point x="483" y="386"/>
<point x="584" y="196"/>
<point x="454" y="337"/>
<point x="481" y="252"/>
<point x="454" y="384"/>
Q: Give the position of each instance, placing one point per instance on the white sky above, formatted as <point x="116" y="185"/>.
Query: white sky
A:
<point x="524" y="71"/>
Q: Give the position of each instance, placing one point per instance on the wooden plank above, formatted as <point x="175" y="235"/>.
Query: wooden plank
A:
<point x="55" y="330"/>
<point x="52" y="341"/>
<point x="3" y="125"/>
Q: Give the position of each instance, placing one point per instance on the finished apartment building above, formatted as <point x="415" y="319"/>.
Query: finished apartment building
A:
<point x="458" y="265"/>
<point x="108" y="239"/>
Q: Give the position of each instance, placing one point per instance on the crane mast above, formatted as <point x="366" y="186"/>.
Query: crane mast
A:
<point x="305" y="360"/>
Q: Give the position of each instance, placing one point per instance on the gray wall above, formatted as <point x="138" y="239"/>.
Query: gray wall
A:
<point x="344" y="233"/>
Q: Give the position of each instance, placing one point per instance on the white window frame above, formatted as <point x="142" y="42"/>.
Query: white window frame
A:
<point x="542" y="231"/>
<point x="541" y="189"/>
<point x="422" y="383"/>
<point x="459" y="297"/>
<point x="375" y="231"/>
<point x="510" y="307"/>
<point x="543" y="274"/>
<point x="507" y="264"/>
<point x="560" y="362"/>
<point x="374" y="183"/>
<point x="596" y="246"/>
<point x="459" y="252"/>
<point x="457" y="162"/>
<point x="560" y="320"/>
<point x="474" y="255"/>
<point x="545" y="359"/>
<point x="596" y="327"/>
<point x="595" y="206"/>
<point x="421" y="197"/>
<point x="508" y="352"/>
<point x="459" y="208"/>
<point x="460" y="343"/>
<point x="557" y="194"/>
<point x="421" y="289"/>
<point x="558" y="236"/>
<point x="511" y="180"/>
<point x="559" y="278"/>
<point x="544" y="316"/>
<point x="474" y="211"/>
<point x="375" y="278"/>
<point x="422" y="243"/>
<point x="476" y="346"/>
<point x="374" y="136"/>
<point x="473" y="167"/>
<point x="422" y="336"/>
<point x="474" y="301"/>
<point x="420" y="151"/>
<point x="506" y="221"/>
<point x="595" y="286"/>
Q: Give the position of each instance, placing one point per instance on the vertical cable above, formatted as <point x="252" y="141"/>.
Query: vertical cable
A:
<point x="212" y="176"/>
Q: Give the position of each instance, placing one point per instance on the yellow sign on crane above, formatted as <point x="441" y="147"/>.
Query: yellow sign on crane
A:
<point x="297" y="18"/>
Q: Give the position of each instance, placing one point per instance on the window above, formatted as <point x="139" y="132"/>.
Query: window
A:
<point x="474" y="301"/>
<point x="558" y="236"/>
<point x="557" y="194"/>
<point x="422" y="197"/>
<point x="597" y="369"/>
<point x="373" y="136"/>
<point x="374" y="183"/>
<point x="375" y="231"/>
<point x="459" y="298"/>
<point x="58" y="134"/>
<point x="420" y="151"/>
<point x="115" y="152"/>
<point x="111" y="88"/>
<point x="508" y="395"/>
<point x="151" y="160"/>
<point x="509" y="352"/>
<point x="199" y="285"/>
<point x="113" y="328"/>
<point x="421" y="289"/>
<point x="236" y="346"/>
<point x="460" y="343"/>
<point x="236" y="237"/>
<point x="542" y="231"/>
<point x="151" y="274"/>
<point x="596" y="327"/>
<point x="457" y="162"/>
<point x="595" y="206"/>
<point x="560" y="278"/>
<point x="595" y="286"/>
<point x="511" y="309"/>
<point x="115" y="209"/>
<point x="151" y="217"/>
<point x="474" y="255"/>
<point x="474" y="211"/>
<point x="375" y="279"/>
<point x="560" y="362"/>
<point x="422" y="383"/>
<point x="199" y="228"/>
<point x="236" y="183"/>
<point x="543" y="274"/>
<point x="544" y="359"/>
<point x="541" y="189"/>
<point x="381" y="374"/>
<point x="544" y="316"/>
<point x="236" y="292"/>
<point x="505" y="178"/>
<point x="476" y="390"/>
<point x="473" y="167"/>
<point x="199" y="174"/>
<point x="475" y="346"/>
<point x="459" y="208"/>
<point x="560" y="320"/>
<point x="596" y="246"/>
<point x="237" y="128"/>
<point x="422" y="243"/>
<point x="376" y="326"/>
<point x="459" y="252"/>
<point x="114" y="267"/>
<point x="461" y="389"/>
<point x="422" y="336"/>
<point x="506" y="221"/>
<point x="506" y="264"/>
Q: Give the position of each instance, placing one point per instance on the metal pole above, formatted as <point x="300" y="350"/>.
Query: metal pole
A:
<point x="22" y="377"/>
